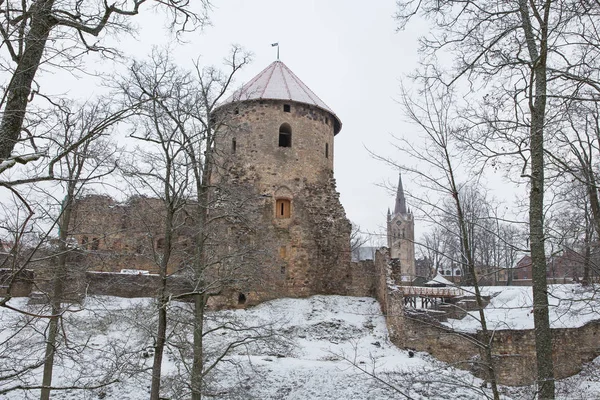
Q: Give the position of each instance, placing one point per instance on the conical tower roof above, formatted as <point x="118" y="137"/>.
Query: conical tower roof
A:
<point x="278" y="82"/>
<point x="400" y="207"/>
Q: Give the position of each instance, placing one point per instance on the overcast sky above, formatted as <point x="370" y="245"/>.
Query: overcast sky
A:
<point x="347" y="52"/>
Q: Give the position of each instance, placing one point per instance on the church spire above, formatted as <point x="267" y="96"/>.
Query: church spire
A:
<point x="400" y="200"/>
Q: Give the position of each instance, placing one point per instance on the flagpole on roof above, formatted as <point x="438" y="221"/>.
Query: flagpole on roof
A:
<point x="276" y="45"/>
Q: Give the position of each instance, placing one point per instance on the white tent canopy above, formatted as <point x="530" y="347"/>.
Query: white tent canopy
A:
<point x="439" y="279"/>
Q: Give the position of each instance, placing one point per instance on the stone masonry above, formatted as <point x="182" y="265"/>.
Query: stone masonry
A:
<point x="308" y="249"/>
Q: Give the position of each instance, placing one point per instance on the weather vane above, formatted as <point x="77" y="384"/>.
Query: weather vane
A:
<point x="276" y="45"/>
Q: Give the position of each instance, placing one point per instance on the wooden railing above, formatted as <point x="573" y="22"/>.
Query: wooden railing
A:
<point x="432" y="291"/>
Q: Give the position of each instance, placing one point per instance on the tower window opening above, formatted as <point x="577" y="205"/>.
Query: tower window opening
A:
<point x="285" y="135"/>
<point x="241" y="298"/>
<point x="286" y="108"/>
<point x="326" y="150"/>
<point x="283" y="208"/>
<point x="233" y="146"/>
<point x="282" y="270"/>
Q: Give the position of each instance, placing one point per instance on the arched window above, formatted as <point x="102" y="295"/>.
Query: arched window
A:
<point x="241" y="298"/>
<point x="160" y="244"/>
<point x="285" y="135"/>
<point x="283" y="208"/>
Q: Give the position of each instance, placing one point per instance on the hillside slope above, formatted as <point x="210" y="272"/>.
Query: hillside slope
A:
<point x="323" y="347"/>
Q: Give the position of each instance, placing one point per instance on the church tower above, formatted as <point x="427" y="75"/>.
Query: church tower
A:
<point x="401" y="235"/>
<point x="277" y="145"/>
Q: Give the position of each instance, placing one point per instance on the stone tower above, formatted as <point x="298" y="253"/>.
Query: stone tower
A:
<point x="401" y="235"/>
<point x="278" y="148"/>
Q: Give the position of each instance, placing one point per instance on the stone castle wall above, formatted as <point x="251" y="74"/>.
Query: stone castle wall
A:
<point x="127" y="235"/>
<point x="255" y="127"/>
<point x="307" y="250"/>
<point x="513" y="350"/>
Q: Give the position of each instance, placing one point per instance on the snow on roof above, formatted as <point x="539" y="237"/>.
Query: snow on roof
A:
<point x="278" y="82"/>
<point x="440" y="279"/>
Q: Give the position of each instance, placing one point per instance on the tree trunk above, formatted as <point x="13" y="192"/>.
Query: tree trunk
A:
<point x="537" y="45"/>
<point x="58" y="280"/>
<point x="165" y="256"/>
<point x="200" y="297"/>
<point x="19" y="86"/>
<point x="203" y="174"/>
<point x="593" y="197"/>
<point x="486" y="337"/>
<point x="161" y="333"/>
<point x="52" y="335"/>
<point x="198" y="362"/>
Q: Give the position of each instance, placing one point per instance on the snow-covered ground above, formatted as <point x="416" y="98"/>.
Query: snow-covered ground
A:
<point x="323" y="347"/>
<point x="571" y="306"/>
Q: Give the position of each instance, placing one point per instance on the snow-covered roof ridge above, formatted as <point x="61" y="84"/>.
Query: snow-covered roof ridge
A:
<point x="278" y="82"/>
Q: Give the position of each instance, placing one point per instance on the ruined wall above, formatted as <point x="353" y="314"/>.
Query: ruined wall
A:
<point x="19" y="283"/>
<point x="128" y="285"/>
<point x="572" y="347"/>
<point x="363" y="279"/>
<point x="513" y="350"/>
<point x="127" y="235"/>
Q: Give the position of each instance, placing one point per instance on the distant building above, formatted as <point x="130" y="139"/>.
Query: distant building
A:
<point x="522" y="269"/>
<point x="566" y="266"/>
<point x="401" y="235"/>
<point x="561" y="268"/>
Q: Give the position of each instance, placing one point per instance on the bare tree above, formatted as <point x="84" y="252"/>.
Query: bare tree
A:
<point x="436" y="167"/>
<point x="211" y="202"/>
<point x="58" y="33"/>
<point x="431" y="247"/>
<point x="160" y="167"/>
<point x="85" y="162"/>
<point x="79" y="155"/>
<point x="183" y="105"/>
<point x="525" y="56"/>
<point x="357" y="240"/>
